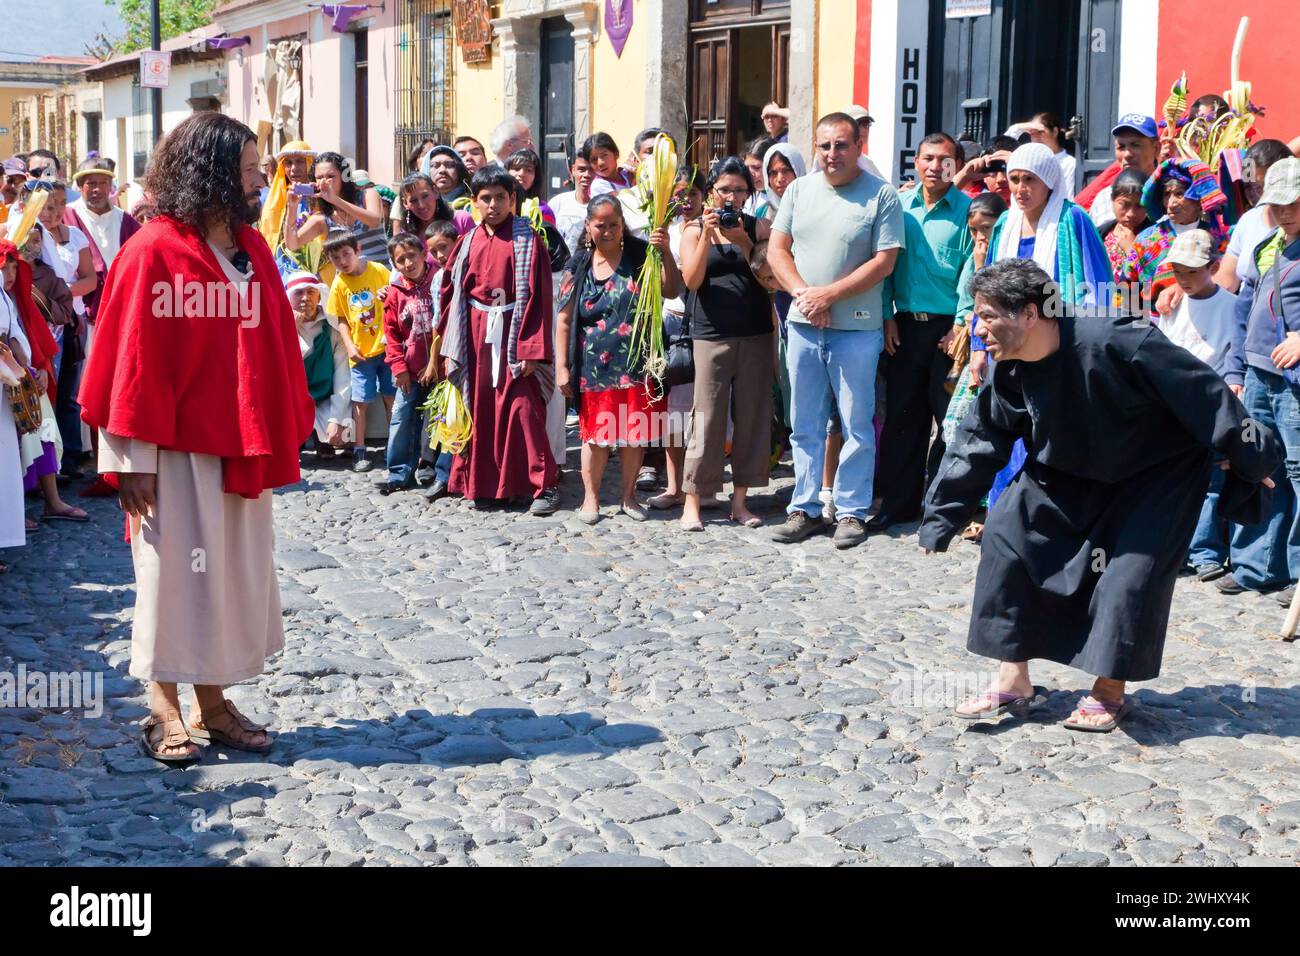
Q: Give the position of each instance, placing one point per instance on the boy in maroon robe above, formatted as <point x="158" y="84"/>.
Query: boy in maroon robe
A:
<point x="499" y="350"/>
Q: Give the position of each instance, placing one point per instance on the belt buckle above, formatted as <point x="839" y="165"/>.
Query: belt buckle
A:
<point x="921" y="316"/>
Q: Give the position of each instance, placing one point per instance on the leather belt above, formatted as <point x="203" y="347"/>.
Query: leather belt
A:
<point x="928" y="316"/>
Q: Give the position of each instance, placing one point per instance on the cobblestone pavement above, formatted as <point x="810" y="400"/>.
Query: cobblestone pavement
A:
<point x="471" y="688"/>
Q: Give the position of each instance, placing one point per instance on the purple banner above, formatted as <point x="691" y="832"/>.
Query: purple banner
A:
<point x="618" y="23"/>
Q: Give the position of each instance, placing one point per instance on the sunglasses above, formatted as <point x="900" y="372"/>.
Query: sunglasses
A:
<point x="34" y="185"/>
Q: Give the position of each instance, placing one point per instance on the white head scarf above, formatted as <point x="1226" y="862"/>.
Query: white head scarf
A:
<point x="1037" y="159"/>
<point x="793" y="157"/>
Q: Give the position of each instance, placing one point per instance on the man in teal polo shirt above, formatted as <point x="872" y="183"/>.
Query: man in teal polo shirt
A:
<point x="925" y="300"/>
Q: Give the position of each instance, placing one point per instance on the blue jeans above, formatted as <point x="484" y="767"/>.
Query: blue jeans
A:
<point x="1266" y="556"/>
<point x="839" y="365"/>
<point x="406" y="433"/>
<point x="1210" y="542"/>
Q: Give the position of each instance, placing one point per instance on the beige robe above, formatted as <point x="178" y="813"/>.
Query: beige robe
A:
<point x="207" y="606"/>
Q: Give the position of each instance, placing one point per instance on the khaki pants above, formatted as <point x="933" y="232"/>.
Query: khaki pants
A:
<point x="731" y="375"/>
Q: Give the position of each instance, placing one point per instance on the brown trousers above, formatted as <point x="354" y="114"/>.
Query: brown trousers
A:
<point x="731" y="375"/>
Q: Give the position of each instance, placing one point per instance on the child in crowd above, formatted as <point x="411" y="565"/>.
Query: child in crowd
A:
<point x="1203" y="324"/>
<point x="355" y="299"/>
<point x="601" y="152"/>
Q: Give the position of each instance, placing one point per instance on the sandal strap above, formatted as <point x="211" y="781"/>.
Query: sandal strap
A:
<point x="244" y="723"/>
<point x="174" y="731"/>
<point x="1093" y="707"/>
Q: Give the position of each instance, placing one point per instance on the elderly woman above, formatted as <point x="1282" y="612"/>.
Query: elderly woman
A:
<point x="329" y="379"/>
<point x="1042" y="225"/>
<point x="618" y="404"/>
<point x="1181" y="195"/>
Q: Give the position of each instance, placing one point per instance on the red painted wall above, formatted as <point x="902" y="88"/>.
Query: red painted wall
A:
<point x="862" y="55"/>
<point x="1197" y="36"/>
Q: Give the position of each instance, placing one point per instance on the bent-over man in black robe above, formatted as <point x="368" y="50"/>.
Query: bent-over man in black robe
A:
<point x="1079" y="556"/>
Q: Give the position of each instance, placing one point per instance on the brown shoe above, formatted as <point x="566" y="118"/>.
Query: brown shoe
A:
<point x="231" y="728"/>
<point x="797" y="527"/>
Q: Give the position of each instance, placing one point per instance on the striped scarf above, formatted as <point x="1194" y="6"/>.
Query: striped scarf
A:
<point x="455" y="343"/>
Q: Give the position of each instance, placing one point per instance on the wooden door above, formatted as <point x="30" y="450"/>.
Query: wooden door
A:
<point x="712" y="76"/>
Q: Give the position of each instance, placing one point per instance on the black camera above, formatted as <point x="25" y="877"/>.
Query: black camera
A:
<point x="728" y="218"/>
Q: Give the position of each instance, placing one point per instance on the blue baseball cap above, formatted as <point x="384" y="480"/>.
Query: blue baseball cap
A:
<point x="1136" y="121"/>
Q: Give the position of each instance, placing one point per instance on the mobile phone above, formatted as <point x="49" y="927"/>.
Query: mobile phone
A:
<point x="304" y="189"/>
<point x="997" y="166"/>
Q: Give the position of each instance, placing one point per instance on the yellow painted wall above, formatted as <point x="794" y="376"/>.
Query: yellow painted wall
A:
<point x="836" y="33"/>
<point x="479" y="96"/>
<point x="8" y="95"/>
<point x="618" y="96"/>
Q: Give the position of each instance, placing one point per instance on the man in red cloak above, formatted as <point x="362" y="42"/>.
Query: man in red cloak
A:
<point x="498" y="344"/>
<point x="197" y="388"/>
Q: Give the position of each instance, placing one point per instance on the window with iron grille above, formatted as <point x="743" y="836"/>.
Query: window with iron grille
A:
<point x="142" y="128"/>
<point x="425" y="82"/>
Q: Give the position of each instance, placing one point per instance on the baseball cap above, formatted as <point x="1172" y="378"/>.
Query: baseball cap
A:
<point x="361" y="178"/>
<point x="1282" y="183"/>
<point x="1136" y="121"/>
<point x="859" y="114"/>
<point x="1191" y="249"/>
<point x="15" y="167"/>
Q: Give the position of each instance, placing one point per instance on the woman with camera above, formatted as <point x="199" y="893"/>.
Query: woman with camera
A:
<point x="731" y="322"/>
<point x="337" y="202"/>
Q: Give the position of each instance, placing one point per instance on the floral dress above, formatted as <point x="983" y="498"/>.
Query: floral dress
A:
<point x="605" y="311"/>
<point x="618" y="405"/>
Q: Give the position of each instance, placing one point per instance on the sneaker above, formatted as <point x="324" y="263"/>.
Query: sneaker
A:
<point x="547" y="503"/>
<point x="849" y="532"/>
<point x="1209" y="571"/>
<point x="425" y="476"/>
<point x="827" y="498"/>
<point x="797" y="527"/>
<point x="361" y="464"/>
<point x="647" y="479"/>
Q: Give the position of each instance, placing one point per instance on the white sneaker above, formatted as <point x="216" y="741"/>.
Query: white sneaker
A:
<point x="828" y="506"/>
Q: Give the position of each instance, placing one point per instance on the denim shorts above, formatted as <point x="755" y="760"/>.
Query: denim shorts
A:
<point x="370" y="378"/>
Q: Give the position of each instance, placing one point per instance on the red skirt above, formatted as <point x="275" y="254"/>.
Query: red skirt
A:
<point x="614" y="417"/>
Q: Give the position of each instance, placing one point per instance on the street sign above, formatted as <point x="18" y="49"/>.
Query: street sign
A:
<point x="155" y="68"/>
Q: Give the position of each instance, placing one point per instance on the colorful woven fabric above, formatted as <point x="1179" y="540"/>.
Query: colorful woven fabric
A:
<point x="1202" y="186"/>
<point x="1146" y="261"/>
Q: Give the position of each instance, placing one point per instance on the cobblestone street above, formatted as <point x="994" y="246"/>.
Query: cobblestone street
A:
<point x="470" y="688"/>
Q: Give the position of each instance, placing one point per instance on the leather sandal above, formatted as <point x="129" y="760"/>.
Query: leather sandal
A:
<point x="201" y="727"/>
<point x="174" y="735"/>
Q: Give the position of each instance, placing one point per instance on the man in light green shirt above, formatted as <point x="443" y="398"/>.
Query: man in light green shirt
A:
<point x="834" y="242"/>
<point x="925" y="300"/>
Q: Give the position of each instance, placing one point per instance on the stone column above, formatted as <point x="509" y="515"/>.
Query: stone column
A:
<point x="803" y="74"/>
<point x="667" y="56"/>
<point x="520" y="58"/>
<point x="583" y="20"/>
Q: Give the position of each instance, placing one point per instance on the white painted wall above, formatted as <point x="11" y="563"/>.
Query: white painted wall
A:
<point x="1138" y="33"/>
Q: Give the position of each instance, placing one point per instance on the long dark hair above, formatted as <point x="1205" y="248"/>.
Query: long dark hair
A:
<point x="441" y="211"/>
<point x="194" y="175"/>
<point x="349" y="192"/>
<point x="729" y="166"/>
<point x="1049" y="120"/>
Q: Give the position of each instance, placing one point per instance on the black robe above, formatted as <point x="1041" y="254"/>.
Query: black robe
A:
<point x="1080" y="555"/>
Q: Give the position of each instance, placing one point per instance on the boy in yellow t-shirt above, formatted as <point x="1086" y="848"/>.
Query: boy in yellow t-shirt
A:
<point x="356" y="301"/>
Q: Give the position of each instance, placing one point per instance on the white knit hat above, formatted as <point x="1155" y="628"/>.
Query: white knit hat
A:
<point x="1037" y="159"/>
